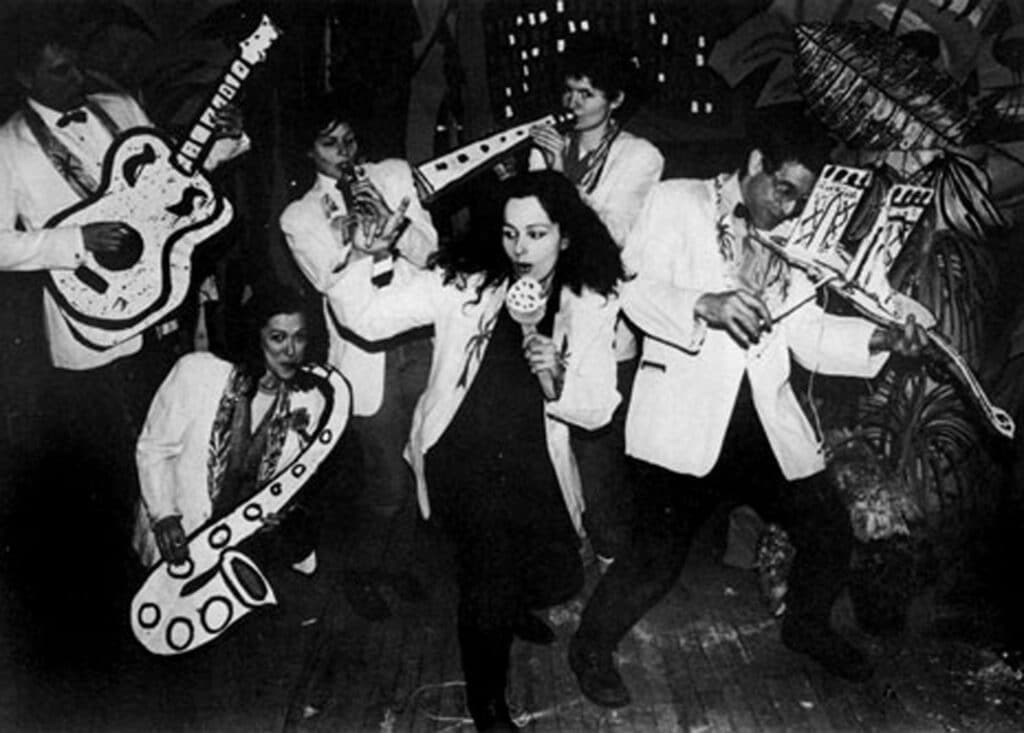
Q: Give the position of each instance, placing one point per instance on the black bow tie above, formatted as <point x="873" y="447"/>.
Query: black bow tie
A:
<point x="74" y="115"/>
<point x="741" y="212"/>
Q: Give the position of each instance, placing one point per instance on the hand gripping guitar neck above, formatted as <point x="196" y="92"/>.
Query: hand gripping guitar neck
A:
<point x="160" y="190"/>
<point x="183" y="606"/>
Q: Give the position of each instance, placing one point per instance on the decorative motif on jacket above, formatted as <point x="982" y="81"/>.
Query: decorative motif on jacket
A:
<point x="477" y="345"/>
<point x="66" y="163"/>
<point x="748" y="265"/>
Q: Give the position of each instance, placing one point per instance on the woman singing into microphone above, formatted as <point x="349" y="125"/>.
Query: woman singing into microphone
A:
<point x="490" y="445"/>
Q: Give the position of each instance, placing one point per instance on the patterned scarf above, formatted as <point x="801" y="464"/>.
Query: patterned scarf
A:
<point x="242" y="459"/>
<point x="68" y="165"/>
<point x="749" y="265"/>
<point x="585" y="172"/>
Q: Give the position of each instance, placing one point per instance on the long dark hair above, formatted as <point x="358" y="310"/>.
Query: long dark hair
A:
<point x="591" y="259"/>
<point x="273" y="300"/>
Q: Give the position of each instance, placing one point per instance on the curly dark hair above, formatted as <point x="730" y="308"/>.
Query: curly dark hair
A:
<point x="591" y="259"/>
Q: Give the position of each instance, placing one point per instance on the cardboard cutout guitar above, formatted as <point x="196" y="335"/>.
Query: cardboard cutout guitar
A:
<point x="160" y="190"/>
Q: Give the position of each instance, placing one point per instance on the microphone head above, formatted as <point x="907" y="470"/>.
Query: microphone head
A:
<point x="525" y="301"/>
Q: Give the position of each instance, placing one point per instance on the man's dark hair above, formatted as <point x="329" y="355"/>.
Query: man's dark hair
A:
<point x="33" y="28"/>
<point x="786" y="133"/>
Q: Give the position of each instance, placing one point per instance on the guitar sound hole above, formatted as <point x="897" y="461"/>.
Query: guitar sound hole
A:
<point x="129" y="253"/>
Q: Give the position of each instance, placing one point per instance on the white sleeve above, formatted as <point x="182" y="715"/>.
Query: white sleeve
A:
<point x="379" y="313"/>
<point x="162" y="440"/>
<point x="589" y="394"/>
<point x="316" y="246"/>
<point x="43" y="249"/>
<point x="658" y="306"/>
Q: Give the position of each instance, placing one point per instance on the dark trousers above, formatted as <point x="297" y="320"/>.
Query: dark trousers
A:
<point x="70" y="547"/>
<point x="383" y="435"/>
<point x="381" y="500"/>
<point x="607" y="490"/>
<point x="671" y="507"/>
<point x="101" y="413"/>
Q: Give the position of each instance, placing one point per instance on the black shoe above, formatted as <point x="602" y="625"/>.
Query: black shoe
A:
<point x="366" y="600"/>
<point x="827" y="648"/>
<point x="596" y="674"/>
<point x="530" y="628"/>
<point x="492" y="715"/>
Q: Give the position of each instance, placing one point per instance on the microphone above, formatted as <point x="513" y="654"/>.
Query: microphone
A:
<point x="526" y="303"/>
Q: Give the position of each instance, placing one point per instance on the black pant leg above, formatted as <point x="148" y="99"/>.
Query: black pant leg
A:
<point x="670" y="508"/>
<point x="818" y="524"/>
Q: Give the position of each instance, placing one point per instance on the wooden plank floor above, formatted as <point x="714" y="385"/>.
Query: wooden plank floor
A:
<point x="707" y="659"/>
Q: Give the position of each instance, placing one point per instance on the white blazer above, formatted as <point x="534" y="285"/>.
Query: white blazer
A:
<point x="689" y="375"/>
<point x="45" y="249"/>
<point x="461" y="330"/>
<point x="321" y="256"/>
<point x="173" y="451"/>
<point x="631" y="170"/>
<point x="32" y="192"/>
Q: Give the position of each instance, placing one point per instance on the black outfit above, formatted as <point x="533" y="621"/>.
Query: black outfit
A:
<point x="496" y="494"/>
<point x="605" y="475"/>
<point x="671" y="507"/>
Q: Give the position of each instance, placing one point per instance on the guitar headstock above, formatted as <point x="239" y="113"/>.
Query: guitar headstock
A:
<point x="254" y="48"/>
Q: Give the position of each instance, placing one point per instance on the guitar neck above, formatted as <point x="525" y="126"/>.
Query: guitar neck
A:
<point x="437" y="175"/>
<point x="196" y="145"/>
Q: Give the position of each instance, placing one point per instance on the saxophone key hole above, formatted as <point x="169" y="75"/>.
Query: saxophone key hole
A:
<point x="220" y="536"/>
<point x="216" y="614"/>
<point x="180" y="633"/>
<point x="149" y="615"/>
<point x="181" y="569"/>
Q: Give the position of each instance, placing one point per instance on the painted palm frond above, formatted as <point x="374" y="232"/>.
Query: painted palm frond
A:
<point x="870" y="90"/>
<point x="926" y="434"/>
<point x="951" y="277"/>
<point x="962" y="199"/>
